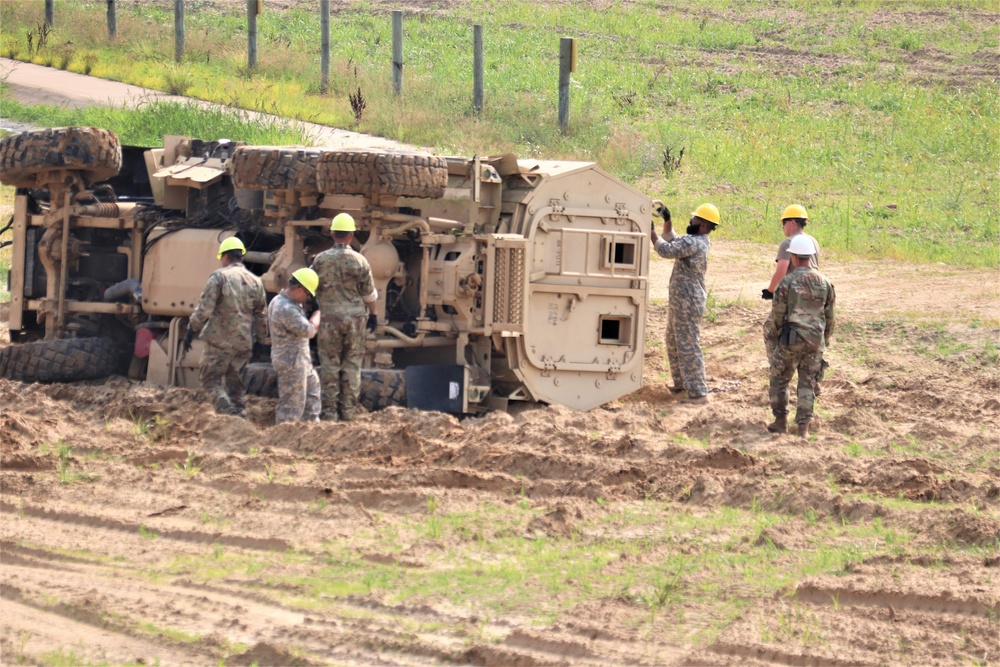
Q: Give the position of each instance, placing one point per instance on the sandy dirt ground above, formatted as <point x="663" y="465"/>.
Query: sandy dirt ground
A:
<point x="85" y="559"/>
<point x="137" y="527"/>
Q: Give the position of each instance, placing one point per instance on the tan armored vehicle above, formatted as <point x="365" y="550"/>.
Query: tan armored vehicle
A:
<point x="499" y="279"/>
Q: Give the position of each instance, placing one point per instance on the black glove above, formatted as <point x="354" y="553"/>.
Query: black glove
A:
<point x="188" y="337"/>
<point x="663" y="212"/>
<point x="766" y="294"/>
<point x="372" y="323"/>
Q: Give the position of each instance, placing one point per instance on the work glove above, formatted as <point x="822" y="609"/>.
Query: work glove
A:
<point x="766" y="294"/>
<point x="663" y="212"/>
<point x="188" y="338"/>
<point x="372" y="323"/>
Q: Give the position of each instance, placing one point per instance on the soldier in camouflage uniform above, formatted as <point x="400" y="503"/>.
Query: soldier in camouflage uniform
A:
<point x="346" y="295"/>
<point x="802" y="320"/>
<point x="793" y="223"/>
<point x="299" y="390"/>
<point x="230" y="318"/>
<point x="687" y="296"/>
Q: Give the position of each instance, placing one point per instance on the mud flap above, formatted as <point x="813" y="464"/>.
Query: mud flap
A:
<point x="440" y="388"/>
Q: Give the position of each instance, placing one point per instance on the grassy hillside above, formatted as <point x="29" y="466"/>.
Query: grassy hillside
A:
<point x="882" y="122"/>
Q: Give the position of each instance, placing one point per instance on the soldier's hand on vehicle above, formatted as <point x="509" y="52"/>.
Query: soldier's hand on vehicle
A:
<point x="663" y="212"/>
<point x="188" y="339"/>
<point x="766" y="294"/>
<point x="372" y="323"/>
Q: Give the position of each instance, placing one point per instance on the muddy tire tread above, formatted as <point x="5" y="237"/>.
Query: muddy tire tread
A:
<point x="275" y="168"/>
<point x="377" y="173"/>
<point x="67" y="360"/>
<point x="92" y="150"/>
<point x="379" y="388"/>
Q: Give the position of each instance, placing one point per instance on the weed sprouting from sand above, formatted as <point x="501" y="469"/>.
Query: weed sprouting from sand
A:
<point x="191" y="466"/>
<point x="152" y="429"/>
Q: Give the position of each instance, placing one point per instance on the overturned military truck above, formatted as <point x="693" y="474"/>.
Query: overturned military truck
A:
<point x="499" y="279"/>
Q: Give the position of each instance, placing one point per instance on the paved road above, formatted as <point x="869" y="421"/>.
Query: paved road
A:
<point x="35" y="84"/>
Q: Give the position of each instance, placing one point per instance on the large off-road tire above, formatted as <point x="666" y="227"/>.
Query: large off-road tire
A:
<point x="95" y="152"/>
<point x="379" y="388"/>
<point x="66" y="360"/>
<point x="382" y="388"/>
<point x="375" y="173"/>
<point x="261" y="380"/>
<point x="275" y="168"/>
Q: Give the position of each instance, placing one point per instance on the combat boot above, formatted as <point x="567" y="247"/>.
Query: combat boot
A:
<point x="803" y="430"/>
<point x="779" y="425"/>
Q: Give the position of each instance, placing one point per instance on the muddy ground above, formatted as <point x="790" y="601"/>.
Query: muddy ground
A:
<point x="169" y="535"/>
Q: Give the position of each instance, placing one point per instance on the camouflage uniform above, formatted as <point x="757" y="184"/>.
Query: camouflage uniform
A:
<point x="687" y="305"/>
<point x="345" y="287"/>
<point x="771" y="338"/>
<point x="805" y="301"/>
<point x="230" y="317"/>
<point x="298" y="384"/>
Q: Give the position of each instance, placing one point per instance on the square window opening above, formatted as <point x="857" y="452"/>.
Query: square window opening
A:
<point x="615" y="330"/>
<point x="620" y="254"/>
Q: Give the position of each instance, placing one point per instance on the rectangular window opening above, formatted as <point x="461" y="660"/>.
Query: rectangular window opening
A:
<point x="615" y="330"/>
<point x="620" y="253"/>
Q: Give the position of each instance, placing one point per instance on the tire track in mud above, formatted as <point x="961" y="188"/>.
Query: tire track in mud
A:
<point x="936" y="604"/>
<point x="96" y="596"/>
<point x="192" y="536"/>
<point x="870" y="612"/>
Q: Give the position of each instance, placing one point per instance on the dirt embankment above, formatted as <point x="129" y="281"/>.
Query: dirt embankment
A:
<point x="139" y="525"/>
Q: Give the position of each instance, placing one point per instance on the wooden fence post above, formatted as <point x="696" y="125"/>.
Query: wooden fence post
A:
<point x="112" y="19"/>
<point x="324" y="38"/>
<point x="251" y="34"/>
<point x="50" y="12"/>
<point x="567" y="64"/>
<point x="477" y="68"/>
<point x="178" y="30"/>
<point x="397" y="51"/>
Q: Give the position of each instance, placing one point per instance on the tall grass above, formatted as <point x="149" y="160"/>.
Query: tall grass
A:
<point x="827" y="103"/>
<point x="146" y="123"/>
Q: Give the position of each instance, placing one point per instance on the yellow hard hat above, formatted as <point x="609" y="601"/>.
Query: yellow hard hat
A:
<point x="232" y="243"/>
<point x="795" y="211"/>
<point x="308" y="279"/>
<point x="343" y="222"/>
<point x="707" y="212"/>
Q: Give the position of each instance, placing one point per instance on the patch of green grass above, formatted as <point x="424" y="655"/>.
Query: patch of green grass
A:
<point x="146" y="533"/>
<point x="152" y="429"/>
<point x="190" y="467"/>
<point x="145" y="124"/>
<point x="889" y="163"/>
<point x="153" y="630"/>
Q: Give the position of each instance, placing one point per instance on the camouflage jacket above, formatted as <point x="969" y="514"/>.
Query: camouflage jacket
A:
<point x="805" y="299"/>
<point x="691" y="252"/>
<point x="231" y="313"/>
<point x="290" y="331"/>
<point x="345" y="281"/>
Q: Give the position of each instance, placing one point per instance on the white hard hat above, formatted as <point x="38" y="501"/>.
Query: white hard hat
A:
<point x="801" y="245"/>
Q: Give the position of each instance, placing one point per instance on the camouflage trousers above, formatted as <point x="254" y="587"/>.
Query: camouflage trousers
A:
<point x="771" y="343"/>
<point x="341" y="345"/>
<point x="299" y="393"/>
<point x="687" y="365"/>
<point x="221" y="377"/>
<point x="787" y="359"/>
